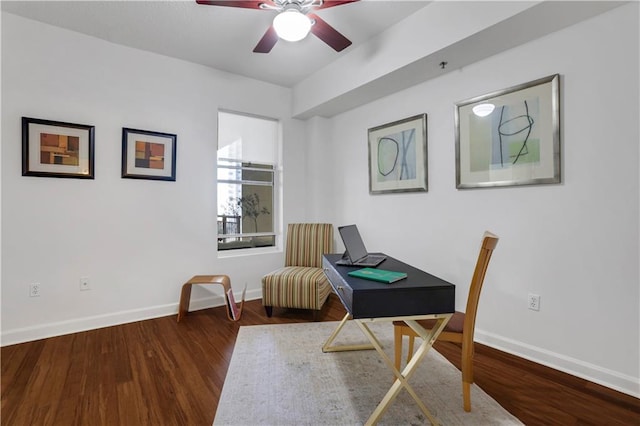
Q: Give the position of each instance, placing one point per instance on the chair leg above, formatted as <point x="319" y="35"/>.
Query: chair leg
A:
<point x="466" y="396"/>
<point x="269" y="310"/>
<point x="397" y="345"/>
<point x="410" y="348"/>
<point x="467" y="375"/>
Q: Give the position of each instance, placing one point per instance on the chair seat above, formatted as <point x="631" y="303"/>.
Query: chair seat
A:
<point x="295" y="287"/>
<point x="454" y="325"/>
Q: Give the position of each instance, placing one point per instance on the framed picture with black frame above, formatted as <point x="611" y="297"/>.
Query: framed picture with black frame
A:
<point x="57" y="149"/>
<point x="509" y="137"/>
<point x="148" y="155"/>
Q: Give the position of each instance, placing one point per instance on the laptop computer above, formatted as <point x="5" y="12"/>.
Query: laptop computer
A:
<point x="355" y="252"/>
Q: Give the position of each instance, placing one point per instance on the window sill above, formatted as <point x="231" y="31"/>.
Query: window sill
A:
<point x="222" y="254"/>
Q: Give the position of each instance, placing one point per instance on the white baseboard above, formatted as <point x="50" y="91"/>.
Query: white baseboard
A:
<point x="28" y="334"/>
<point x="605" y="377"/>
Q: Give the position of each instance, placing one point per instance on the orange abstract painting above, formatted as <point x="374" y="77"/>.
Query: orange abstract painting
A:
<point x="59" y="149"/>
<point x="149" y="155"/>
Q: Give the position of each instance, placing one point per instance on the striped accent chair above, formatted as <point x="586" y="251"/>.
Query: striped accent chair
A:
<point x="301" y="283"/>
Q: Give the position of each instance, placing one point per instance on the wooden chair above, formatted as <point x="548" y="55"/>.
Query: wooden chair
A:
<point x="302" y="283"/>
<point x="461" y="326"/>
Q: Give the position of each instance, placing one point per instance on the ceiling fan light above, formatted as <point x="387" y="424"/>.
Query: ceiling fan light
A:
<point x="292" y="25"/>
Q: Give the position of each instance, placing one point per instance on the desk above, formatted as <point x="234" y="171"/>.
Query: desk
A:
<point x="419" y="296"/>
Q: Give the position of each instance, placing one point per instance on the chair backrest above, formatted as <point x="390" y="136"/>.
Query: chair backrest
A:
<point x="307" y="242"/>
<point x="489" y="243"/>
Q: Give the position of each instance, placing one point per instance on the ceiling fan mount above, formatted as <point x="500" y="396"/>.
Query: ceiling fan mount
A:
<point x="299" y="11"/>
<point x="302" y="6"/>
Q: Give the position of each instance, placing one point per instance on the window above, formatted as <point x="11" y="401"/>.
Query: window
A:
<point x="247" y="164"/>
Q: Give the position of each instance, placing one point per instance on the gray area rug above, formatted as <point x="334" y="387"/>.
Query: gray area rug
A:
<point x="279" y="376"/>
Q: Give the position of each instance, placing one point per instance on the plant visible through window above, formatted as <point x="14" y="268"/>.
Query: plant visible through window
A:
<point x="247" y="207"/>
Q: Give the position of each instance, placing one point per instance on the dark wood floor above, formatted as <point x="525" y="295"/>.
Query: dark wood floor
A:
<point x="159" y="372"/>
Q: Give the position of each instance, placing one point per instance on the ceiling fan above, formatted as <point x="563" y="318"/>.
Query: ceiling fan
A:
<point x="294" y="21"/>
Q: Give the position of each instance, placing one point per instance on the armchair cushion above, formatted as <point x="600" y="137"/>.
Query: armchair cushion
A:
<point x="295" y="287"/>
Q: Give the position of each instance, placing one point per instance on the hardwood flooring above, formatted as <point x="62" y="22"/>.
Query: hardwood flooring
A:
<point x="160" y="372"/>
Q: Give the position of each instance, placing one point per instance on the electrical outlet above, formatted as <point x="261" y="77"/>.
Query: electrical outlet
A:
<point x="533" y="301"/>
<point x="85" y="284"/>
<point x="34" y="290"/>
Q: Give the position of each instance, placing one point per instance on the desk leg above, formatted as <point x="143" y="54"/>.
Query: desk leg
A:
<point x="401" y="382"/>
<point x="327" y="345"/>
<point x="402" y="378"/>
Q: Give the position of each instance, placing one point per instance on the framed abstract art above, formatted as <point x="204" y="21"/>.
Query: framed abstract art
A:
<point x="398" y="156"/>
<point x="57" y="149"/>
<point x="148" y="155"/>
<point x="510" y="137"/>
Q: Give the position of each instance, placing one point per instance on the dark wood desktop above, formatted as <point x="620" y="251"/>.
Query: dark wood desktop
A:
<point x="420" y="293"/>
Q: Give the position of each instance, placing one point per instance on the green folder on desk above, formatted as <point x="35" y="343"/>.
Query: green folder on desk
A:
<point x="378" y="275"/>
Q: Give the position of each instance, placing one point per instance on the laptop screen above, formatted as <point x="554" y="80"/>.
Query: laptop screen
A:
<point x="352" y="242"/>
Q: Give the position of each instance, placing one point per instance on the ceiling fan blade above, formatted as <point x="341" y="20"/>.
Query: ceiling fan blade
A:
<point x="235" y="3"/>
<point x="333" y="3"/>
<point x="267" y="41"/>
<point x="328" y="34"/>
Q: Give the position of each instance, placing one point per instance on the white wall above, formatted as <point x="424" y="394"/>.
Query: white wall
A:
<point x="574" y="244"/>
<point x="137" y="240"/>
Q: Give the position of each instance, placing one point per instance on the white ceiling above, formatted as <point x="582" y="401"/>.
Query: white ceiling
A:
<point x="218" y="37"/>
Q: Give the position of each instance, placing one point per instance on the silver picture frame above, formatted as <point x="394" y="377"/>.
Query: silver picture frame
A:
<point x="398" y="156"/>
<point x="510" y="137"/>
